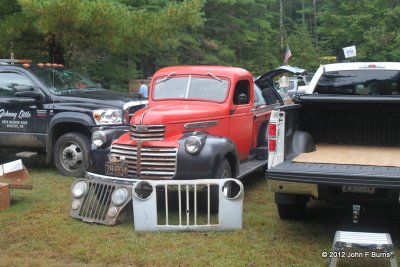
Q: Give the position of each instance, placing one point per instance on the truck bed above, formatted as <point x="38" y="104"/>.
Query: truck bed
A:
<point x="350" y="154"/>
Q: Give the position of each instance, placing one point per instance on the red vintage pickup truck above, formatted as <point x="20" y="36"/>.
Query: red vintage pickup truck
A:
<point x="200" y="122"/>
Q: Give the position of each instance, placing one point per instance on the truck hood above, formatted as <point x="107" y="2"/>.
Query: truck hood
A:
<point x="97" y="98"/>
<point x="267" y="79"/>
<point x="178" y="113"/>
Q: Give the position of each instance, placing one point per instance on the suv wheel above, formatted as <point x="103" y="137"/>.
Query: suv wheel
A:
<point x="71" y="154"/>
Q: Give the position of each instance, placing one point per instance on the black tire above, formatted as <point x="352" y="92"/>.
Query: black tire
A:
<point x="224" y="171"/>
<point x="71" y="154"/>
<point x="294" y="211"/>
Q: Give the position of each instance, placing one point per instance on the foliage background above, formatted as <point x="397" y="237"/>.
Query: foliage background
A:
<point x="115" y="41"/>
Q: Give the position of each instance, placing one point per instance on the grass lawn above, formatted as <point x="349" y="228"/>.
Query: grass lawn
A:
<point x="37" y="231"/>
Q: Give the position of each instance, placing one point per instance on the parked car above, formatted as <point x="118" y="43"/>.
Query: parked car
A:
<point x="296" y="85"/>
<point x="52" y="109"/>
<point x="274" y="78"/>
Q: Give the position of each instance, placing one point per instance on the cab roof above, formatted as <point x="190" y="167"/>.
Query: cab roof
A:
<point x="361" y="65"/>
<point x="223" y="71"/>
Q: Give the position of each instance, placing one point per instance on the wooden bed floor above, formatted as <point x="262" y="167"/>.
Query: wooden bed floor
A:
<point x="356" y="155"/>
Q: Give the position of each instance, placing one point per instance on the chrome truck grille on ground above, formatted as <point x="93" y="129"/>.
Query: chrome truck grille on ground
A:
<point x="147" y="132"/>
<point x="153" y="162"/>
<point x="188" y="205"/>
<point x="96" y="205"/>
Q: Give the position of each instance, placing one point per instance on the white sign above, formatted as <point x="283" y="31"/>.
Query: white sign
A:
<point x="349" y="51"/>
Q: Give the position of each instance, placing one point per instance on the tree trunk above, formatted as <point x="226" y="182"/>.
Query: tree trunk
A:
<point x="315" y="23"/>
<point x="281" y="21"/>
<point x="56" y="51"/>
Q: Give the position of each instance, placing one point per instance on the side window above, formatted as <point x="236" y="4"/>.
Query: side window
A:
<point x="242" y="93"/>
<point x="8" y="80"/>
<point x="258" y="98"/>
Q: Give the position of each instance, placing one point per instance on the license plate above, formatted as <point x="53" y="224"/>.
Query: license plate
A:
<point x="358" y="189"/>
<point x="116" y="168"/>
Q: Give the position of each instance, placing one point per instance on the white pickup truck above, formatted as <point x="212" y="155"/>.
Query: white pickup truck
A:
<point x="340" y="141"/>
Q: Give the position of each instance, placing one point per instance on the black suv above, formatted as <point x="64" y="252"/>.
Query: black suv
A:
<point x="48" y="108"/>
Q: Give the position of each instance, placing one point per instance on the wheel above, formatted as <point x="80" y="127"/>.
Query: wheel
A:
<point x="71" y="154"/>
<point x="224" y="171"/>
<point x="294" y="211"/>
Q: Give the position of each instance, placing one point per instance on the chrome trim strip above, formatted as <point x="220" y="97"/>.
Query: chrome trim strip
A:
<point x="141" y="118"/>
<point x="201" y="124"/>
<point x="112" y="179"/>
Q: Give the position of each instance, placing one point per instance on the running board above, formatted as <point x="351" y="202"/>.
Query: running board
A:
<point x="26" y="154"/>
<point x="249" y="166"/>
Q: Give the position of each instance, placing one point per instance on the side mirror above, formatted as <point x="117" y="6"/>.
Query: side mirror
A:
<point x="242" y="99"/>
<point x="28" y="91"/>
<point x="22" y="88"/>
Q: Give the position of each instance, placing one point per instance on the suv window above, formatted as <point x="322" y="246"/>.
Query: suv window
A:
<point x="10" y="79"/>
<point x="359" y="82"/>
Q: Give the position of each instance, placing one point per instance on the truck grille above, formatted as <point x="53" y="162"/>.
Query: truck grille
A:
<point x="97" y="202"/>
<point x="133" y="109"/>
<point x="147" y="132"/>
<point x="95" y="206"/>
<point x="154" y="163"/>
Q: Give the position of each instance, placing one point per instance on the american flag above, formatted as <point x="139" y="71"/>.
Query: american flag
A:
<point x="288" y="55"/>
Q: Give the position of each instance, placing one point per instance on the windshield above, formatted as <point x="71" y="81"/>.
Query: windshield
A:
<point x="191" y="88"/>
<point x="360" y="82"/>
<point x="61" y="79"/>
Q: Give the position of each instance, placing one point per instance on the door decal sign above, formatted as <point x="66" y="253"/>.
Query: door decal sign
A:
<point x="14" y="119"/>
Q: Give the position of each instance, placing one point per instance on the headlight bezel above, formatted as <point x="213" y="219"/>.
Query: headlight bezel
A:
<point x="99" y="138"/>
<point x="83" y="191"/>
<point x="196" y="139"/>
<point x="108" y="116"/>
<point x="122" y="201"/>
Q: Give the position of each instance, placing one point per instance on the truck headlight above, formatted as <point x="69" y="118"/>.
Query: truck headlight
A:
<point x="99" y="138"/>
<point x="193" y="144"/>
<point x="119" y="196"/>
<point x="79" y="189"/>
<point x="107" y="116"/>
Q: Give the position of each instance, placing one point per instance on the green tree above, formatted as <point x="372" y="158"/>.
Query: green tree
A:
<point x="303" y="50"/>
<point x="93" y="34"/>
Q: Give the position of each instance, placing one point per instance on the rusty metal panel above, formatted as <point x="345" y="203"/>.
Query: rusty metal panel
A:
<point x="4" y="196"/>
<point x="152" y="209"/>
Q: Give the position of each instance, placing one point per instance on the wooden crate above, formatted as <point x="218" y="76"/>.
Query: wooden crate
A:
<point x="4" y="196"/>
